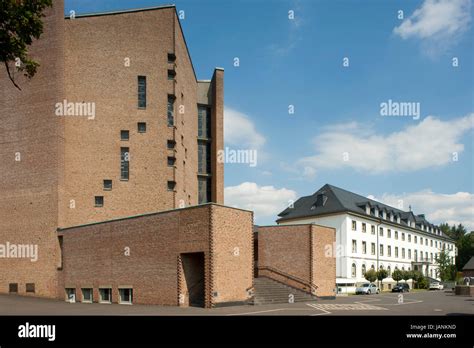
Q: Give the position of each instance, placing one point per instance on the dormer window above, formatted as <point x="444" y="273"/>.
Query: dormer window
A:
<point x="321" y="200"/>
<point x="398" y="219"/>
<point x="367" y="209"/>
<point x="384" y="214"/>
<point x="376" y="212"/>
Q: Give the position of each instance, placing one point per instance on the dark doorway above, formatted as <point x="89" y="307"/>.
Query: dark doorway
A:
<point x="193" y="266"/>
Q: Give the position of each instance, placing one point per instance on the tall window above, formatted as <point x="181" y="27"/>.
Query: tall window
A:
<point x="364" y="247"/>
<point x="364" y="227"/>
<point x="363" y="269"/>
<point x="204" y="121"/>
<point x="389" y="251"/>
<point x="171" y="110"/>
<point x="204" y="195"/>
<point x="396" y="251"/>
<point x="409" y="238"/>
<point x="389" y="271"/>
<point x="403" y="236"/>
<point x="409" y="254"/>
<point x="354" y="246"/>
<point x="354" y="225"/>
<point x="372" y="247"/>
<point x="381" y="249"/>
<point x="372" y="229"/>
<point x="142" y="92"/>
<point x="389" y="233"/>
<point x="124" y="163"/>
<point x="204" y="157"/>
<point x="353" y="272"/>
<point x="403" y="253"/>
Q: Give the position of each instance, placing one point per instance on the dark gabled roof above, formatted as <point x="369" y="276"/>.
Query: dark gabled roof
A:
<point x="469" y="265"/>
<point x="336" y="200"/>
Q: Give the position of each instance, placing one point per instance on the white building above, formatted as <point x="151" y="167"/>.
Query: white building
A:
<point x="370" y="234"/>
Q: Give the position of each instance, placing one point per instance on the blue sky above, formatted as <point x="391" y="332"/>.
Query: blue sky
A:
<point x="299" y="62"/>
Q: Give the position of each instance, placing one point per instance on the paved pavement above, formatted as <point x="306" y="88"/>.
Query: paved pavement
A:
<point x="413" y="303"/>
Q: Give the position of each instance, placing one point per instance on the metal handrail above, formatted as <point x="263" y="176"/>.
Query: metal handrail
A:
<point x="289" y="276"/>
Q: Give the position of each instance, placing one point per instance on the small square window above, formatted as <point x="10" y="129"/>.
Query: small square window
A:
<point x="87" y="295"/>
<point x="13" y="288"/>
<point x="99" y="201"/>
<point x="141" y="127"/>
<point x="105" y="295"/>
<point x="70" y="295"/>
<point x="125" y="296"/>
<point x="30" y="287"/>
<point x="108" y="185"/>
<point x="124" y="135"/>
<point x="171" y="74"/>
<point x="171" y="161"/>
<point x="171" y="144"/>
<point x="171" y="185"/>
<point x="171" y="57"/>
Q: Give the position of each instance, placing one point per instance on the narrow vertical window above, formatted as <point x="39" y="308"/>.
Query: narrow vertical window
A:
<point x="171" y="110"/>
<point x="124" y="163"/>
<point x="142" y="92"/>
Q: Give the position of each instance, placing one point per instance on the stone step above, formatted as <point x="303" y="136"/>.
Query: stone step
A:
<point x="268" y="291"/>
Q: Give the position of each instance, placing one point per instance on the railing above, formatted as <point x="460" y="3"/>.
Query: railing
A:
<point x="312" y="287"/>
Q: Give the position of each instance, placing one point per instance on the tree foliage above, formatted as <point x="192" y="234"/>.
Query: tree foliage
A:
<point x="397" y="275"/>
<point x="370" y="275"/>
<point x="20" y="23"/>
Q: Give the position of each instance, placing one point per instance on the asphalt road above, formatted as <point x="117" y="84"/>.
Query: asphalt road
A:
<point x="414" y="303"/>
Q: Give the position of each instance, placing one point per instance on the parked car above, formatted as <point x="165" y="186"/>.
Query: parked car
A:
<point x="402" y="287"/>
<point x="436" y="286"/>
<point x="367" y="289"/>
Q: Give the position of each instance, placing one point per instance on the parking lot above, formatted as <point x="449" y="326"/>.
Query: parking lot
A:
<point x="413" y="303"/>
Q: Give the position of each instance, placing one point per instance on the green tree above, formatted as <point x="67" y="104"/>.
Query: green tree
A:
<point x="417" y="277"/>
<point x="20" y="23"/>
<point x="370" y="275"/>
<point x="381" y="275"/>
<point x="445" y="266"/>
<point x="464" y="242"/>
<point x="397" y="275"/>
<point x="406" y="275"/>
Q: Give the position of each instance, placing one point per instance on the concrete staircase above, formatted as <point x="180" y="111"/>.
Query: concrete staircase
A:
<point x="269" y="291"/>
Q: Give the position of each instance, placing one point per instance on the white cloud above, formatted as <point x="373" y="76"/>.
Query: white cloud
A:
<point x="437" y="22"/>
<point x="438" y="208"/>
<point x="240" y="131"/>
<point x="265" y="201"/>
<point x="430" y="143"/>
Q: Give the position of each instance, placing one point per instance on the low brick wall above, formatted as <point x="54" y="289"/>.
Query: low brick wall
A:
<point x="464" y="290"/>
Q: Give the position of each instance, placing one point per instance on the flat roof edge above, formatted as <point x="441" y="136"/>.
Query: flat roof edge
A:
<point x="98" y="14"/>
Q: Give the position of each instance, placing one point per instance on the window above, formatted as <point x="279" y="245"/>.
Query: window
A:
<point x="364" y="227"/>
<point x="372" y="249"/>
<point x="403" y="236"/>
<point x="105" y="295"/>
<point x="171" y="99"/>
<point x="396" y="234"/>
<point x="363" y="269"/>
<point x="204" y="188"/>
<point x="171" y="185"/>
<point x="171" y="58"/>
<point x="124" y="163"/>
<point x="354" y="225"/>
<point x="142" y="92"/>
<point x="354" y="246"/>
<point x="421" y="240"/>
<point x="99" y="201"/>
<point x="389" y="251"/>
<point x="13" y="288"/>
<point x="171" y="74"/>
<point x="381" y="249"/>
<point x="409" y="238"/>
<point x="171" y="144"/>
<point x="141" y="127"/>
<point x="431" y="242"/>
<point x="372" y="229"/>
<point x="396" y="251"/>
<point x="364" y="247"/>
<point x="124" y="135"/>
<point x="403" y="253"/>
<point x="415" y="239"/>
<point x="409" y="254"/>
<point x="204" y="121"/>
<point x="30" y="287"/>
<point x="353" y="272"/>
<point x="381" y="231"/>
<point x="431" y="257"/>
<point x="389" y="271"/>
<point x="426" y="241"/>
<point x="389" y="233"/>
<point x="87" y="295"/>
<point x="107" y="185"/>
<point x="71" y="295"/>
<point x="171" y="161"/>
<point x="204" y="157"/>
<point x="125" y="296"/>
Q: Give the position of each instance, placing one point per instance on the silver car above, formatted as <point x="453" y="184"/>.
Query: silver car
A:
<point x="367" y="289"/>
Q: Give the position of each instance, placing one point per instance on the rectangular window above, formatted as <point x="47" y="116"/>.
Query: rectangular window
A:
<point x="171" y="58"/>
<point x="171" y="144"/>
<point x="389" y="233"/>
<point x="204" y="195"/>
<point x="396" y="235"/>
<point x="426" y="241"/>
<point x="171" y="161"/>
<point x="204" y="157"/>
<point x="124" y="163"/>
<point x="396" y="251"/>
<point x="354" y="225"/>
<point x="141" y="127"/>
<point x="389" y="251"/>
<point x="30" y="287"/>
<point x="125" y="296"/>
<point x="171" y="185"/>
<point x="381" y="231"/>
<point x="87" y="295"/>
<point x="403" y="236"/>
<point x="364" y="247"/>
<point x="13" y="288"/>
<point x="124" y="135"/>
<point x="105" y="295"/>
<point x="71" y="295"/>
<point x="403" y="253"/>
<point x="372" y="229"/>
<point x="142" y="92"/>
<point x="421" y="240"/>
<point x="107" y="185"/>
<point x="431" y="242"/>
<point x="364" y="227"/>
<point x="171" y="100"/>
<point x="409" y="238"/>
<point x="99" y="201"/>
<point x="171" y="74"/>
<point x="354" y="246"/>
<point x="416" y="239"/>
<point x="431" y="257"/>
<point x="204" y="122"/>
<point x="372" y="248"/>
<point x="381" y="249"/>
<point x="409" y="254"/>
